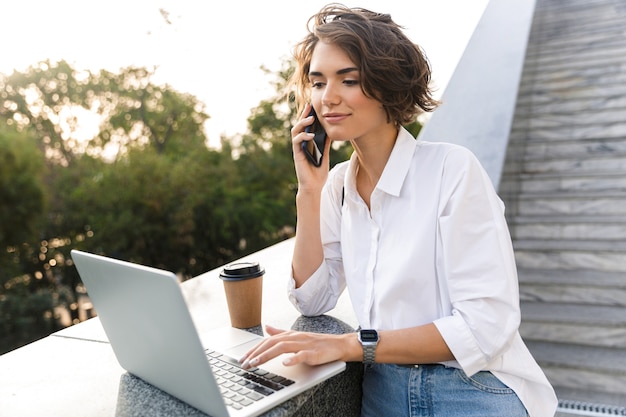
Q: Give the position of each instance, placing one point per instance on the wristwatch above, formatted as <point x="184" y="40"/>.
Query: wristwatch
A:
<point x="369" y="339"/>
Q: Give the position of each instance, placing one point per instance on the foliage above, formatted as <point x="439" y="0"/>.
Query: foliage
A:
<point x="21" y="187"/>
<point x="414" y="128"/>
<point x="25" y="309"/>
<point x="73" y="112"/>
<point x="25" y="314"/>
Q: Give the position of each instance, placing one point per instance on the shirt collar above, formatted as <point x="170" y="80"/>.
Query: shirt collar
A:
<point x="396" y="169"/>
<point x="399" y="163"/>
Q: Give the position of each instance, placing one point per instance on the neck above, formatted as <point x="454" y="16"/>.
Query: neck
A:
<point x="373" y="153"/>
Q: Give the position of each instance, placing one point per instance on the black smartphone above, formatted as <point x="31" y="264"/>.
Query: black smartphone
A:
<point x="314" y="148"/>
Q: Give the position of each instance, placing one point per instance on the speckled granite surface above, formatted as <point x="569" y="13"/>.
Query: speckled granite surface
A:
<point x="340" y="395"/>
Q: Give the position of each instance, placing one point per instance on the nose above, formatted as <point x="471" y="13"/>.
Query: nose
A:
<point x="331" y="95"/>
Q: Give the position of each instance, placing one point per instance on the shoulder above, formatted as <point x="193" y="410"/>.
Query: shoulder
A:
<point x="445" y="150"/>
<point x="452" y="164"/>
<point x="448" y="156"/>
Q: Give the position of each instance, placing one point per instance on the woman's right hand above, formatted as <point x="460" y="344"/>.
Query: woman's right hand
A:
<point x="308" y="253"/>
<point x="310" y="177"/>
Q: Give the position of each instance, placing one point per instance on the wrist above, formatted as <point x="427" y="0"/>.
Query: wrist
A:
<point x="308" y="203"/>
<point x="354" y="350"/>
<point x="308" y="193"/>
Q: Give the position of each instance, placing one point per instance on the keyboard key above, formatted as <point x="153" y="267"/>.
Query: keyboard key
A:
<point x="254" y="395"/>
<point x="242" y="387"/>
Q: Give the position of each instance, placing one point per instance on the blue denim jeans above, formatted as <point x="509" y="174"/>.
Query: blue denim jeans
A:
<point x="435" y="391"/>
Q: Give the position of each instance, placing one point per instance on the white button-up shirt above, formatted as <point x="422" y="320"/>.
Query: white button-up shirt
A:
<point x="433" y="247"/>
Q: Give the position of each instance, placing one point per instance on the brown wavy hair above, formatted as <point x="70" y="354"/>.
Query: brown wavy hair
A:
<point x="393" y="70"/>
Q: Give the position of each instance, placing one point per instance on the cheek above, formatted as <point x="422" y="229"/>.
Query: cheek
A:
<point x="315" y="97"/>
<point x="357" y="98"/>
<point x="373" y="110"/>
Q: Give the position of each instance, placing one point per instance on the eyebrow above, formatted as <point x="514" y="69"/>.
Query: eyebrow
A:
<point x="339" y="72"/>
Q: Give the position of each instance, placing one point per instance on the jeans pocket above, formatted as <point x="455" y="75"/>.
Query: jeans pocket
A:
<point x="485" y="381"/>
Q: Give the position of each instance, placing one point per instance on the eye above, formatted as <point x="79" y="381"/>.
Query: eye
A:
<point x="351" y="82"/>
<point x="316" y="84"/>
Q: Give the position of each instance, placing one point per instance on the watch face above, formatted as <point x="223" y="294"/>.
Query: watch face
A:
<point x="369" y="335"/>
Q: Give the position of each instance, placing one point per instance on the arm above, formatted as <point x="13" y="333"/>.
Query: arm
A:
<point x="476" y="264"/>
<point x="319" y="291"/>
<point x="308" y="252"/>
<point x="416" y="345"/>
<point x="317" y="271"/>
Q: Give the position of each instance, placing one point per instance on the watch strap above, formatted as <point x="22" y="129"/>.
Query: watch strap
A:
<point x="369" y="353"/>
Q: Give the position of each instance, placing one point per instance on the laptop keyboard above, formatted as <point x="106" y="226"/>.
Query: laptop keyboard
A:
<point x="242" y="387"/>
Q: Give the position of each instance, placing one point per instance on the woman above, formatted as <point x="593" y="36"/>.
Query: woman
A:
<point x="414" y="230"/>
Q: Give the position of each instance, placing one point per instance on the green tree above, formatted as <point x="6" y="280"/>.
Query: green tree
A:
<point x="80" y="120"/>
<point x="75" y="112"/>
<point x="22" y="200"/>
<point x="143" y="207"/>
<point x="26" y="308"/>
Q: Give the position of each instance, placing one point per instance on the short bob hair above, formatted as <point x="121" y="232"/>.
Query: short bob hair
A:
<point x="393" y="70"/>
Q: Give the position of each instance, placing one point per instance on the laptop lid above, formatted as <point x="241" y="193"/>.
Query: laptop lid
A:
<point x="147" y="322"/>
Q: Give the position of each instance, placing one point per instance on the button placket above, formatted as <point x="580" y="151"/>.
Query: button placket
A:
<point x="373" y="255"/>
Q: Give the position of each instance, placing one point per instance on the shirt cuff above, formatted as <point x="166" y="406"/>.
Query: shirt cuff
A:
<point x="306" y="298"/>
<point x="462" y="343"/>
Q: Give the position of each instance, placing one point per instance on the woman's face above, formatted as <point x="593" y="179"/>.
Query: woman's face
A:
<point x="336" y="94"/>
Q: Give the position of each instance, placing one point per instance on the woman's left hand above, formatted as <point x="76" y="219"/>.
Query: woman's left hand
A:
<point x="304" y="347"/>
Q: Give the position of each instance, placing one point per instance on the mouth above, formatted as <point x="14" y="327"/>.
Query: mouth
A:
<point x="335" y="117"/>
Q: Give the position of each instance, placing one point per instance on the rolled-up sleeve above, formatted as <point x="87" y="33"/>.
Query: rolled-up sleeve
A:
<point x="316" y="296"/>
<point x="320" y="292"/>
<point x="476" y="266"/>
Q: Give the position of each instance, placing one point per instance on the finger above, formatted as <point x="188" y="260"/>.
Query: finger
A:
<point x="262" y="346"/>
<point x="255" y="350"/>
<point x="259" y="357"/>
<point x="304" y="120"/>
<point x="306" y="110"/>
<point x="273" y="330"/>
<point x="282" y="342"/>
<point x="310" y="357"/>
<point x="298" y="128"/>
<point x="297" y="358"/>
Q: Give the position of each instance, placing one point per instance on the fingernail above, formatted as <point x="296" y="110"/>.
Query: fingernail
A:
<point x="254" y="362"/>
<point x="287" y="361"/>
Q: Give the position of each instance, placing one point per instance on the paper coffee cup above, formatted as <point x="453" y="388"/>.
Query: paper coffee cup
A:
<point x="243" y="285"/>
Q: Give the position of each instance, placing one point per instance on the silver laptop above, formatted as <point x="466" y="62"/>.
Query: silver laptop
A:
<point x="148" y="324"/>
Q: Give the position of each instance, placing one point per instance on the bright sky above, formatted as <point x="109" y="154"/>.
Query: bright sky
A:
<point x="213" y="50"/>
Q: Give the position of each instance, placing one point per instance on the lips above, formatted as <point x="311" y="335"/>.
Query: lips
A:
<point x="335" y="117"/>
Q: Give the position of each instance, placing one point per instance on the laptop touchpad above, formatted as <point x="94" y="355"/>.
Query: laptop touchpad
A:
<point x="230" y="341"/>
